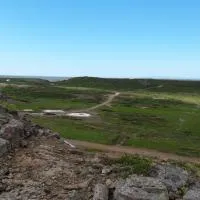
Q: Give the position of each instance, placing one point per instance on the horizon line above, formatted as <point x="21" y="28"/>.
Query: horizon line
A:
<point x="111" y="77"/>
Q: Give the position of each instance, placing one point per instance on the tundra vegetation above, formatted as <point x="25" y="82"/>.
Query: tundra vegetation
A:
<point x="156" y="114"/>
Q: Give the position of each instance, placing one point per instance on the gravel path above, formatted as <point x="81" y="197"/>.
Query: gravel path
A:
<point x="117" y="151"/>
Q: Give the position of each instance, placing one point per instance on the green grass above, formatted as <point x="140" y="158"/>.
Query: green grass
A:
<point x="25" y="81"/>
<point x="71" y="129"/>
<point x="38" y="98"/>
<point x="132" y="164"/>
<point x="188" y="98"/>
<point x="165" y="125"/>
<point x="154" y="85"/>
<point x="164" y="121"/>
<point x="46" y="103"/>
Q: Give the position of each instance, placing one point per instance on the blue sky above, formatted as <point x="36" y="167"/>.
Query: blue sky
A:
<point x="107" y="38"/>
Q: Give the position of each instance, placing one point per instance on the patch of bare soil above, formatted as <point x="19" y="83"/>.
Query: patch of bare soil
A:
<point x="49" y="169"/>
<point x="117" y="151"/>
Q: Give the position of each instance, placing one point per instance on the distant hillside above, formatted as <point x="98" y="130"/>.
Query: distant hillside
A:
<point x="133" y="84"/>
<point x="23" y="81"/>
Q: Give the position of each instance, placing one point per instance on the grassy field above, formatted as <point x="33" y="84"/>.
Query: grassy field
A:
<point x="153" y="85"/>
<point x="25" y="81"/>
<point x="163" y="118"/>
<point x="141" y="121"/>
<point x="49" y="97"/>
<point x="165" y="125"/>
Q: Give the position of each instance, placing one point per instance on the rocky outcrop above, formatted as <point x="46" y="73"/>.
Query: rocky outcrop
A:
<point x="100" y="192"/>
<point x="193" y="193"/>
<point x="13" y="131"/>
<point x="173" y="177"/>
<point x="141" y="188"/>
<point x="3" y="146"/>
<point x="4" y="116"/>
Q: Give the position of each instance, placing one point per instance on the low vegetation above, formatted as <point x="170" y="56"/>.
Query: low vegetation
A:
<point x="49" y="97"/>
<point x="172" y="86"/>
<point x="166" y="125"/>
<point x="150" y="116"/>
<point x="134" y="164"/>
<point x="24" y="81"/>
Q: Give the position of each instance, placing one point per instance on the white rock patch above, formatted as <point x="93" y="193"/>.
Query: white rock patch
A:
<point x="53" y="111"/>
<point x="78" y="114"/>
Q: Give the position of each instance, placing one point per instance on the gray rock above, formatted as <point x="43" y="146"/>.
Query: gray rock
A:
<point x="8" y="196"/>
<point x="3" y="110"/>
<point x="109" y="183"/>
<point x="193" y="194"/>
<point x="100" y="192"/>
<point x="31" y="130"/>
<point x="2" y="187"/>
<point x="173" y="177"/>
<point x="54" y="135"/>
<point x="3" y="146"/>
<point x="23" y="143"/>
<point x="106" y="170"/>
<point x="197" y="185"/>
<point x="141" y="188"/>
<point x="43" y="132"/>
<point x="4" y="116"/>
<point x="3" y="119"/>
<point x="23" y="193"/>
<point x="13" y="131"/>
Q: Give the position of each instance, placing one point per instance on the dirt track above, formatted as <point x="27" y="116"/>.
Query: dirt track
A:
<point x="117" y="151"/>
<point x="108" y="101"/>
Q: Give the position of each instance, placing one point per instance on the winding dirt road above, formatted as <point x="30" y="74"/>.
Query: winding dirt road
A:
<point x="107" y="102"/>
<point x="117" y="151"/>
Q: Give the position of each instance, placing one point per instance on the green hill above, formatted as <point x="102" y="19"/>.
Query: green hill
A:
<point x="134" y="84"/>
<point x="24" y="81"/>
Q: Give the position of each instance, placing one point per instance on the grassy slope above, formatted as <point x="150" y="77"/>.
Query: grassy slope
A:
<point x="166" y="125"/>
<point x="133" y="84"/>
<point x="164" y="118"/>
<point x="38" y="98"/>
<point x="73" y="129"/>
<point x="25" y="81"/>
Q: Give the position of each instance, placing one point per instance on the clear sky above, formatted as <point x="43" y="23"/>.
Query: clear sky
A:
<point x="107" y="38"/>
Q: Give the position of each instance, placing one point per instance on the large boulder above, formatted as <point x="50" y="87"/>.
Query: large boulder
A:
<point x="193" y="193"/>
<point x="3" y="119"/>
<point x="13" y="132"/>
<point x="173" y="177"/>
<point x="100" y="192"/>
<point x="4" y="116"/>
<point x="3" y="146"/>
<point x="141" y="188"/>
